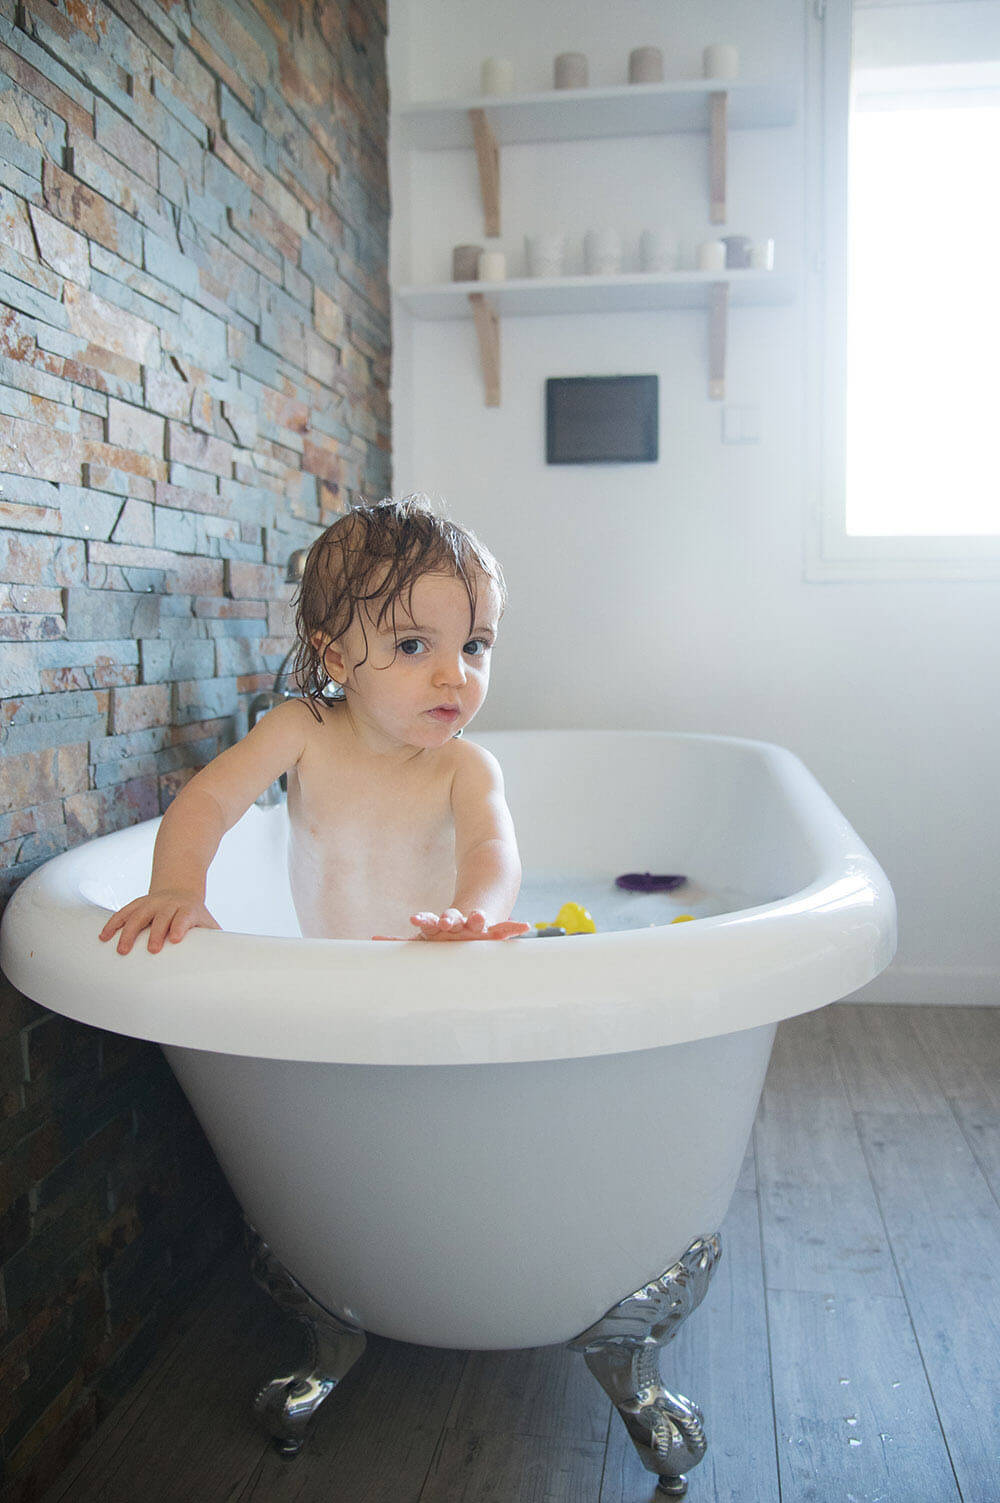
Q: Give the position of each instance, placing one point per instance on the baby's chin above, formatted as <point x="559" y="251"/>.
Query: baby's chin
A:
<point x="434" y="730"/>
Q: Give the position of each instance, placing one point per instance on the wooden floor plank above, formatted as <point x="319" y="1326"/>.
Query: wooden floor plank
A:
<point x="719" y="1360"/>
<point x="495" y="1468"/>
<point x="545" y="1391"/>
<point x="945" y="1230"/>
<point x="884" y="1065"/>
<point x="822" y="1227"/>
<point x="854" y="1412"/>
<point x="982" y="1133"/>
<point x="964" y="1046"/>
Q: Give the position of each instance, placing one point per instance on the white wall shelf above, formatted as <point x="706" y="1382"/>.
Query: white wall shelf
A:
<point x="580" y="114"/>
<point x="619" y="294"/>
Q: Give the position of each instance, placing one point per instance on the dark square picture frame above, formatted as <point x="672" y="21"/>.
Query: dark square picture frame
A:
<point x="602" y="420"/>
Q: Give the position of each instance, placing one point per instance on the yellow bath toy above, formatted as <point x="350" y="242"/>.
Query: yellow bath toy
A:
<point x="683" y="918"/>
<point x="575" y="919"/>
<point x="572" y="917"/>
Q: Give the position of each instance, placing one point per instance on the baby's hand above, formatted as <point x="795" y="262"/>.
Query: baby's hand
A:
<point x="455" y="925"/>
<point x="167" y="915"/>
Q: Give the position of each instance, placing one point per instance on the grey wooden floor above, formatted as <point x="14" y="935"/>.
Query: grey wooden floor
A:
<point x="847" y="1350"/>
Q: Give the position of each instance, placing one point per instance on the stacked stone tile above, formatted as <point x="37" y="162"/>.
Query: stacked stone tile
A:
<point x="194" y="347"/>
<point x="194" y="364"/>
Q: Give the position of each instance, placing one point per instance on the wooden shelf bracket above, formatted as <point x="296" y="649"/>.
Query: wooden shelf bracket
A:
<point x="718" y="314"/>
<point x="488" y="331"/>
<point x="488" y="158"/>
<point x="718" y="108"/>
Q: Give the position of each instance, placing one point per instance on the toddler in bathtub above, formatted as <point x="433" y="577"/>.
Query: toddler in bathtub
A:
<point x="396" y="618"/>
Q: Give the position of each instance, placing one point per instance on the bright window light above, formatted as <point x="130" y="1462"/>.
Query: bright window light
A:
<point x="923" y="339"/>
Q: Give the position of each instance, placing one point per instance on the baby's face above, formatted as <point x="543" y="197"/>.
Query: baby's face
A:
<point x="426" y="674"/>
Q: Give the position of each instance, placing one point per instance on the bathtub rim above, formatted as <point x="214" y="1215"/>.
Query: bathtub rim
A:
<point x="717" y="975"/>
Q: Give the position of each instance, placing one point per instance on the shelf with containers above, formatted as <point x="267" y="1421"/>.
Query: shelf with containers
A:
<point x="486" y="123"/>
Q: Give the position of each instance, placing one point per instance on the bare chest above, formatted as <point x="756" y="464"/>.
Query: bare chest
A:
<point x="368" y="851"/>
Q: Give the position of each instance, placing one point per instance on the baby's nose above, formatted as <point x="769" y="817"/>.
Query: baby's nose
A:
<point x="450" y="669"/>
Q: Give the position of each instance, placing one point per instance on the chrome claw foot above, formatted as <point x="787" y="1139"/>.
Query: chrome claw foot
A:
<point x="285" y="1406"/>
<point x="622" y="1350"/>
<point x="674" y="1487"/>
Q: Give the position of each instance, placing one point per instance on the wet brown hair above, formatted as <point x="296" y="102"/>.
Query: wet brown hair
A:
<point x="375" y="555"/>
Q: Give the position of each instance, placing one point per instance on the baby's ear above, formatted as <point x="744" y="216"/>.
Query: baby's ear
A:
<point x="330" y="656"/>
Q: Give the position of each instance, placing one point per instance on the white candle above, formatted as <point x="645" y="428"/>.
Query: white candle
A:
<point x="712" y="255"/>
<point x="497" y="75"/>
<point x="721" y="61"/>
<point x="492" y="266"/>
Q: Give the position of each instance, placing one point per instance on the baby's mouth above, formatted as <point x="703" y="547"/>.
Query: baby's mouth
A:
<point x="444" y="712"/>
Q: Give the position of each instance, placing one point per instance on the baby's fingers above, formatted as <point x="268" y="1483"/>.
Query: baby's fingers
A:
<point x="131" y="923"/>
<point x="433" y="925"/>
<point x="111" y="928"/>
<point x="510" y="929"/>
<point x="120" y="919"/>
<point x="159" y="929"/>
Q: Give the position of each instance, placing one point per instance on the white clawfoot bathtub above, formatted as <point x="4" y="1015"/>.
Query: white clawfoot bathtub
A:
<point x="488" y="1145"/>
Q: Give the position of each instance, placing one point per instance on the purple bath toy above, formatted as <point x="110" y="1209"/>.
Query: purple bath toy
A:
<point x="648" y="882"/>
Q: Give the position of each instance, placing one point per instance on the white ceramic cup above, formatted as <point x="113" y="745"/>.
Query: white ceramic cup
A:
<point x="712" y="255"/>
<point x="762" y="255"/>
<point x="492" y="266"/>
<point x="496" y="75"/>
<point x="602" y="253"/>
<point x="544" y="254"/>
<point x="721" y="61"/>
<point x="658" y="250"/>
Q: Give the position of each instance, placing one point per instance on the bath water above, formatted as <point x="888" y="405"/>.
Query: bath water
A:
<point x="611" y="907"/>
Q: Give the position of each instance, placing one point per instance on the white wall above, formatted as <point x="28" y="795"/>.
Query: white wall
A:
<point x="673" y="595"/>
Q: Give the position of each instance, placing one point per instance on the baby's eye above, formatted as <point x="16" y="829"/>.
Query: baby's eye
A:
<point x="476" y="648"/>
<point x="411" y="646"/>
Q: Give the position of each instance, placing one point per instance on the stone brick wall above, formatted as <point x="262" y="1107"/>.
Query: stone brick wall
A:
<point x="194" y="364"/>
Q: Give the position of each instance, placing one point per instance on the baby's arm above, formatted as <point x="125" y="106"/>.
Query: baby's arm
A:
<point x="489" y="868"/>
<point x="196" y="821"/>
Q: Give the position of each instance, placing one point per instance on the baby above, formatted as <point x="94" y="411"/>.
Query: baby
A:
<point x="388" y="811"/>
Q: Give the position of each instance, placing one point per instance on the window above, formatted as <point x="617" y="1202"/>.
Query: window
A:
<point x="909" y="480"/>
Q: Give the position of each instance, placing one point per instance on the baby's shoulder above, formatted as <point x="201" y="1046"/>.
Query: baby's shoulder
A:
<point x="309" y="724"/>
<point x="321" y="722"/>
<point x="469" y="760"/>
<point x="292" y="713"/>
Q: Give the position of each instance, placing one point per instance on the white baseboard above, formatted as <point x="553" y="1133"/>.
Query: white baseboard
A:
<point x="940" y="986"/>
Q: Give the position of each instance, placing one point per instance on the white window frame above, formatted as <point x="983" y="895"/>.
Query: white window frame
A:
<point x="831" y="552"/>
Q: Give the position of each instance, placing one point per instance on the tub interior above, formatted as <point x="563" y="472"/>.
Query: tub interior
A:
<point x="586" y="809"/>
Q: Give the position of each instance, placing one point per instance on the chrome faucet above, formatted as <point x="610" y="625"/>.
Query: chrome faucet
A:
<point x="268" y="698"/>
